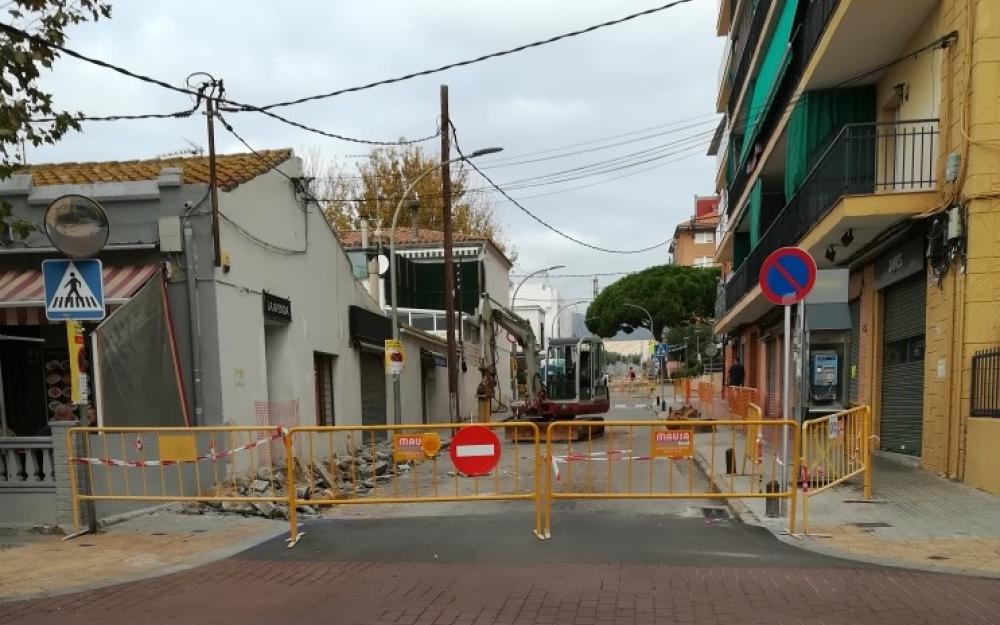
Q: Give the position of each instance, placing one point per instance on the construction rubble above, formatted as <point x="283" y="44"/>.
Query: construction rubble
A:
<point x="343" y="476"/>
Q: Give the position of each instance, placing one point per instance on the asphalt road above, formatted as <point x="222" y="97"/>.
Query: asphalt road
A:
<point x="658" y="562"/>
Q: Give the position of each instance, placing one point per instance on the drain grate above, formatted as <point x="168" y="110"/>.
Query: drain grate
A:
<point x="938" y="558"/>
<point x="871" y="524"/>
<point x="714" y="513"/>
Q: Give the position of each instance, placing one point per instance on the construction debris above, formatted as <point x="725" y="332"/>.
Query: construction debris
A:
<point x="340" y="476"/>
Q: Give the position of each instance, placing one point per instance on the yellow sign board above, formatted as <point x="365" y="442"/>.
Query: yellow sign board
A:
<point x="415" y="447"/>
<point x="395" y="357"/>
<point x="672" y="443"/>
<point x="178" y="447"/>
<point x="78" y="374"/>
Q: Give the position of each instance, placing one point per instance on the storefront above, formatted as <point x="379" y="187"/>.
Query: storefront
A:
<point x="369" y="331"/>
<point x="901" y="278"/>
<point x="34" y="352"/>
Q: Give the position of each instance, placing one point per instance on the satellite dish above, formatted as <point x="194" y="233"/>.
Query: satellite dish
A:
<point x="77" y="226"/>
<point x="383" y="264"/>
<point x="712" y="350"/>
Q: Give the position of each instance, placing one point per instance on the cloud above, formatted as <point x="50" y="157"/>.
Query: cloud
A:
<point x="644" y="73"/>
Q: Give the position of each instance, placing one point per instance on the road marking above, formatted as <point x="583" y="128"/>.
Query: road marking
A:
<point x="620" y="406"/>
<point x="471" y="451"/>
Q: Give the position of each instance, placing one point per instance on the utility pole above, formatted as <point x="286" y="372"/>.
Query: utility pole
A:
<point x="449" y="260"/>
<point x="212" y="177"/>
<point x="595" y="287"/>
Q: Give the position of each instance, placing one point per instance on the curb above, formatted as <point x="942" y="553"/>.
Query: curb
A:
<point x="737" y="509"/>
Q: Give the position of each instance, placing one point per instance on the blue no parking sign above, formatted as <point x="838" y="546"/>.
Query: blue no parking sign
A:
<point x="787" y="275"/>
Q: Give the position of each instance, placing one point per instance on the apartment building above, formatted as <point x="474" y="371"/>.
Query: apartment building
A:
<point x="693" y="244"/>
<point x="864" y="131"/>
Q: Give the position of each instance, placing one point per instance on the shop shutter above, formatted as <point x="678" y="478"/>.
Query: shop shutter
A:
<point x="373" y="407"/>
<point x="903" y="366"/>
<point x="772" y="407"/>
<point x="854" y="359"/>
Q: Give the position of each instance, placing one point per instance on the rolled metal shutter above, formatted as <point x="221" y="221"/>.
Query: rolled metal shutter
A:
<point x="903" y="366"/>
<point x="373" y="407"/>
<point x="854" y="359"/>
<point x="771" y="407"/>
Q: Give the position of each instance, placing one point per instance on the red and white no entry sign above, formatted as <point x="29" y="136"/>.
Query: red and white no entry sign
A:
<point x="475" y="450"/>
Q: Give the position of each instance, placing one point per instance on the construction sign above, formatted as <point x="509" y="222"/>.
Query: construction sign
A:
<point x="395" y="357"/>
<point x="672" y="443"/>
<point x="415" y="447"/>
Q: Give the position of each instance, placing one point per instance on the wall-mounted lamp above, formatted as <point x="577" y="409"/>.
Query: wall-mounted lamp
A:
<point x="848" y="237"/>
<point x="831" y="254"/>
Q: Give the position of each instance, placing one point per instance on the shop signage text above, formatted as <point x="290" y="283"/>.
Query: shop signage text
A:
<point x="277" y="308"/>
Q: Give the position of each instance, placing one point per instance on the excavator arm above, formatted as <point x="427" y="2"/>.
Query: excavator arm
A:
<point x="491" y="316"/>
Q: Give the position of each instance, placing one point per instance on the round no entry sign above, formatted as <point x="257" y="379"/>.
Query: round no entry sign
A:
<point x="475" y="450"/>
<point x="787" y="275"/>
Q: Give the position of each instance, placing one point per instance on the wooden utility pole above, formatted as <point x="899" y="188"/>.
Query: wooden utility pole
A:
<point x="213" y="182"/>
<point x="449" y="260"/>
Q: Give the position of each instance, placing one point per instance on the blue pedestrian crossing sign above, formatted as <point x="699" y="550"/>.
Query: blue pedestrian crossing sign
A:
<point x="74" y="289"/>
<point x="662" y="349"/>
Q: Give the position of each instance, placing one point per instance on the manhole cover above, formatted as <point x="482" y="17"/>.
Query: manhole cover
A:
<point x="714" y="513"/>
<point x="871" y="524"/>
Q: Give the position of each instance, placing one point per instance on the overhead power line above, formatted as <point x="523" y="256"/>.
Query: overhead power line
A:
<point x="479" y="59"/>
<point x="564" y="235"/>
<point x="232" y="105"/>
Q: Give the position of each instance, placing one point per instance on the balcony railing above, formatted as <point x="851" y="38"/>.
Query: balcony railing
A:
<point x="744" y="40"/>
<point x="435" y="321"/>
<point x="804" y="42"/>
<point x="860" y="159"/>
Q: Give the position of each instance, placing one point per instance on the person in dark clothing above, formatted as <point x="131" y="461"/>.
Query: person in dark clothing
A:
<point x="736" y="373"/>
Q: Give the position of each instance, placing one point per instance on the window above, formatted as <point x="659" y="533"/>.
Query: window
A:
<point x="702" y="238"/>
<point x="704" y="261"/>
<point x="323" y="370"/>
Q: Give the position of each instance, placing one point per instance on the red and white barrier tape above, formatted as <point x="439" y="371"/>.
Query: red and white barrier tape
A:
<point x="212" y="454"/>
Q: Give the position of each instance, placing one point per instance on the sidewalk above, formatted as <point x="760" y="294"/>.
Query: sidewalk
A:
<point x="915" y="519"/>
<point x="147" y="545"/>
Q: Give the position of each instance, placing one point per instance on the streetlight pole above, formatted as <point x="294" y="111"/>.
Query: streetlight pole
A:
<point x="562" y="308"/>
<point x="513" y="300"/>
<point x="652" y="332"/>
<point x="396" y="399"/>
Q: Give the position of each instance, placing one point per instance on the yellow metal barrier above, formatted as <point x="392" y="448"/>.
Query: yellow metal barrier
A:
<point x="175" y="464"/>
<point x="656" y="460"/>
<point x="389" y="464"/>
<point x="835" y="449"/>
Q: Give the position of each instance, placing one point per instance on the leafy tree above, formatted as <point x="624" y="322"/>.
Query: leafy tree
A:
<point x="21" y="98"/>
<point x="692" y="339"/>
<point x="372" y="191"/>
<point x="673" y="295"/>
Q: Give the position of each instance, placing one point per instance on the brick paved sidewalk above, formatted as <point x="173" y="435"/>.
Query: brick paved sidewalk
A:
<point x="143" y="546"/>
<point x="248" y="592"/>
<point x="916" y="520"/>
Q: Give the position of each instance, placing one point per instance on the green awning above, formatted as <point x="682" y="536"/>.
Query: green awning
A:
<point x="756" y="202"/>
<point x="777" y="56"/>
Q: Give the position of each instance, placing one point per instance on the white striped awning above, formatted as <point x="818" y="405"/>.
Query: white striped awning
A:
<point x="22" y="294"/>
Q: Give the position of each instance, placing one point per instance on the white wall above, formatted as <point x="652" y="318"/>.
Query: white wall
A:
<point x="313" y="272"/>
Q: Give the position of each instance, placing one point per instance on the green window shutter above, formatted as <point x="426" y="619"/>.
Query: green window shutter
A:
<point x="741" y="248"/>
<point x="775" y="61"/>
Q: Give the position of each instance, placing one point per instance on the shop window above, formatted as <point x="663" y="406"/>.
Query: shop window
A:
<point x="905" y="351"/>
<point x="323" y="370"/>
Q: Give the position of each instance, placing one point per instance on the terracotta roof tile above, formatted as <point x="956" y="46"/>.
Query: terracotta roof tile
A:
<point x="232" y="169"/>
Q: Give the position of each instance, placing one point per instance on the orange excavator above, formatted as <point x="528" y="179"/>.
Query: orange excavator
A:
<point x="572" y="383"/>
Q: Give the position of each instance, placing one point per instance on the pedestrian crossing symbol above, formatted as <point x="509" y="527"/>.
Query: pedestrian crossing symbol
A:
<point x="74" y="289"/>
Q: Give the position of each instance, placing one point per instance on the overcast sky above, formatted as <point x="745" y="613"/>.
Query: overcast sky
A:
<point x="651" y="72"/>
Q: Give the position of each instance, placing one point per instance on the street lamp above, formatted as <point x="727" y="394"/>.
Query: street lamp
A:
<point x="404" y="199"/>
<point x="651" y="331"/>
<point x="562" y="308"/>
<point x="513" y="300"/>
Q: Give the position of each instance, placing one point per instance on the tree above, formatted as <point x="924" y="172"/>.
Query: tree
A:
<point x="689" y="340"/>
<point x="374" y="189"/>
<point x="21" y="98"/>
<point x="673" y="295"/>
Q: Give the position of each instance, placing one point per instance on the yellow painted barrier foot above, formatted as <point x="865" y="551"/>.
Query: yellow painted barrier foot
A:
<point x="76" y="534"/>
<point x="291" y="542"/>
